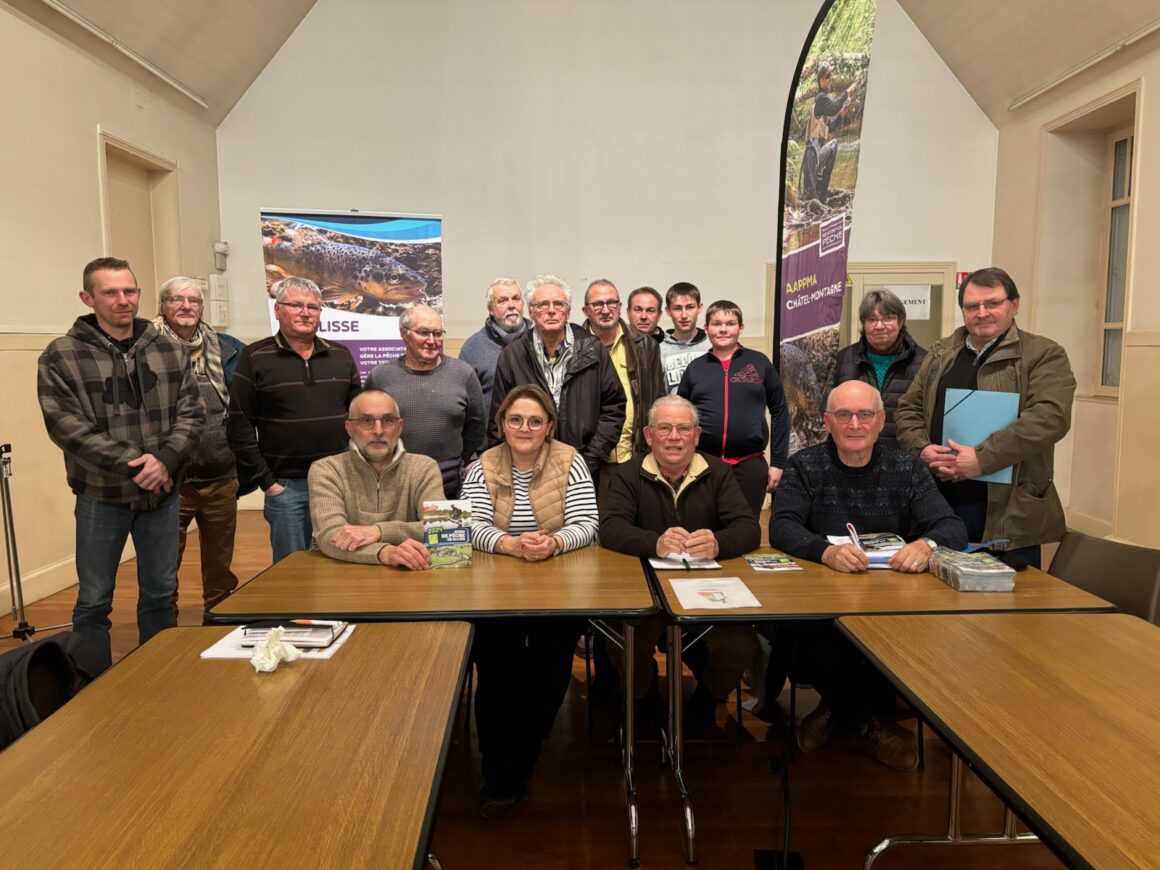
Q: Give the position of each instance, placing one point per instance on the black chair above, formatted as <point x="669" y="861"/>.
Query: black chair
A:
<point x="1126" y="575"/>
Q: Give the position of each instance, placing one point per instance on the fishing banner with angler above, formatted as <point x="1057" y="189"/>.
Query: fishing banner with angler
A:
<point x="369" y="267"/>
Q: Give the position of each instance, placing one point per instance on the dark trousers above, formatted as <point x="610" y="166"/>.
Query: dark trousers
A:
<point x="752" y="475"/>
<point x="852" y="688"/>
<point x="523" y="670"/>
<point x="974" y="517"/>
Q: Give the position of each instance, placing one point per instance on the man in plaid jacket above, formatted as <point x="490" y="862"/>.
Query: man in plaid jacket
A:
<point x="121" y="401"/>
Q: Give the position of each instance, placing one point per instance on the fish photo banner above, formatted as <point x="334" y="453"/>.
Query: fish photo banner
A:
<point x="820" y="147"/>
<point x="369" y="267"/>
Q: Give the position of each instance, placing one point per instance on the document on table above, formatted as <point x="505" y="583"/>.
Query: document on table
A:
<point x="879" y="547"/>
<point x="772" y="563"/>
<point x="714" y="593"/>
<point x="230" y="647"/>
<point x="973" y="416"/>
<point x="682" y="562"/>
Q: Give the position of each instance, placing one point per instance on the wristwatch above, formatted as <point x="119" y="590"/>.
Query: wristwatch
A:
<point x="930" y="543"/>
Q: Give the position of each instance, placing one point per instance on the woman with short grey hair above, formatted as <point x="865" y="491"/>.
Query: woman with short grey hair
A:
<point x="886" y="356"/>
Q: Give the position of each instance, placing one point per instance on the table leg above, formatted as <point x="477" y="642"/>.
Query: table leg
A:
<point x="629" y="756"/>
<point x="673" y="741"/>
<point x="954" y="835"/>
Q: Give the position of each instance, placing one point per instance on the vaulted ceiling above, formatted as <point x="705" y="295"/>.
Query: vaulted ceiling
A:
<point x="998" y="49"/>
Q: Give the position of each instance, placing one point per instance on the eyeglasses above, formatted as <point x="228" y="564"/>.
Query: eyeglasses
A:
<point x="425" y="334"/>
<point x="367" y="423"/>
<point x="667" y="429"/>
<point x="299" y="307"/>
<point x="844" y="417"/>
<point x="602" y="303"/>
<point x="989" y="304"/>
<point x="178" y="301"/>
<point x="515" y="421"/>
<point x="554" y="304"/>
<point x="885" y="320"/>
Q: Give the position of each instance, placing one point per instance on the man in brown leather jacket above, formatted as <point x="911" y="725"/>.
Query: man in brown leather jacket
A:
<point x="991" y="353"/>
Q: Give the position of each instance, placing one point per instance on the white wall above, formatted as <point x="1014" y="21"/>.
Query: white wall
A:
<point x="634" y="141"/>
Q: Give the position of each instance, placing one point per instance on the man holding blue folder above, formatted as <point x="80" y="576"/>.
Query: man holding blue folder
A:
<point x="989" y="353"/>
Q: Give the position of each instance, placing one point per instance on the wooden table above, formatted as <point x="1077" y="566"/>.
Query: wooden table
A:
<point x="169" y="759"/>
<point x="591" y="583"/>
<point x="818" y="592"/>
<point x="1059" y="713"/>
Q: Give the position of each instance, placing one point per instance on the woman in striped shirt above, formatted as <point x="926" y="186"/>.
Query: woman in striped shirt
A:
<point x="532" y="498"/>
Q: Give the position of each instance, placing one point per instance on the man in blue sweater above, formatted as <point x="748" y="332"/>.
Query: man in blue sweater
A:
<point x="853" y="479"/>
<point x="505" y="323"/>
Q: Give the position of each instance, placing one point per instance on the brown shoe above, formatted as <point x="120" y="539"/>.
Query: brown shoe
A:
<point x="889" y="748"/>
<point x="815" y="729"/>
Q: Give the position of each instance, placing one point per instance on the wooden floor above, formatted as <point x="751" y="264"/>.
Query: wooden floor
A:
<point x="842" y="801"/>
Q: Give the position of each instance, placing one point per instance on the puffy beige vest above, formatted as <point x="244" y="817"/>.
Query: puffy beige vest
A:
<point x="546" y="492"/>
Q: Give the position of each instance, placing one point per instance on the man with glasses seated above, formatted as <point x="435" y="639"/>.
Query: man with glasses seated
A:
<point x="288" y="401"/>
<point x="571" y="366"/>
<point x="440" y="395"/>
<point x="676" y="499"/>
<point x="366" y="503"/>
<point x="886" y="356"/>
<point x="853" y="479"/>
<point x="989" y="352"/>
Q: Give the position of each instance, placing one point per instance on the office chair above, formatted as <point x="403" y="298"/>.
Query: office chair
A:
<point x="1126" y="575"/>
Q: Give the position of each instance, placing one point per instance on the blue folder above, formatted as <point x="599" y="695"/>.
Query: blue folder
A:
<point x="973" y="416"/>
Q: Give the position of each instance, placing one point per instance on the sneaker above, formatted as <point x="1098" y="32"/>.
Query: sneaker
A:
<point x="890" y="749"/>
<point x="815" y="728"/>
<point x="493" y="803"/>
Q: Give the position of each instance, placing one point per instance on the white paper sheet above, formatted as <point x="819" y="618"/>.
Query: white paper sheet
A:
<point x="230" y="647"/>
<point x="714" y="593"/>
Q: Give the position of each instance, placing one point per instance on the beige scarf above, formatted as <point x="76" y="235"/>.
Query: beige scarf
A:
<point x="205" y="352"/>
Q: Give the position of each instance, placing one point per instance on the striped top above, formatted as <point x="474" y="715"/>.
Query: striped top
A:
<point x="580" y="516"/>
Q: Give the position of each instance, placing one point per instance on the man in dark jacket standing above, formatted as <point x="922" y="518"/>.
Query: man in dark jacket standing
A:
<point x="675" y="499"/>
<point x="120" y="400"/>
<point x="209" y="492"/>
<point x="637" y="363"/>
<point x="732" y="387"/>
<point x="886" y="356"/>
<point x="288" y="405"/>
<point x="572" y="366"/>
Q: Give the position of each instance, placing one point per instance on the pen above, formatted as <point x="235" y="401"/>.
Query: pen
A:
<point x="854" y="536"/>
<point x="685" y="562"/>
<point x="329" y="622"/>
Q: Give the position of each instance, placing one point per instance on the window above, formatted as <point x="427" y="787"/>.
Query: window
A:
<point x="1119" y="207"/>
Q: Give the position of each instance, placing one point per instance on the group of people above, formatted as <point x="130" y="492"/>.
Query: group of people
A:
<point x="657" y="442"/>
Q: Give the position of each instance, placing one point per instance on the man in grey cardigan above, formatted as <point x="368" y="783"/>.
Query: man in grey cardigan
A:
<point x="367" y="503"/>
<point x="440" y="395"/>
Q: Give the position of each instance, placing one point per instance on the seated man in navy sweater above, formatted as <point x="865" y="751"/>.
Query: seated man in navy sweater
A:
<point x="853" y="479"/>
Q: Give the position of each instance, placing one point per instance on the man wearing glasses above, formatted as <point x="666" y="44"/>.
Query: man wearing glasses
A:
<point x="209" y="488"/>
<point x="989" y="352"/>
<point x="637" y="362"/>
<point x="367" y="502"/>
<point x="677" y="500"/>
<point x="288" y="401"/>
<point x="571" y="366"/>
<point x="440" y="395"/>
<point x="853" y="479"/>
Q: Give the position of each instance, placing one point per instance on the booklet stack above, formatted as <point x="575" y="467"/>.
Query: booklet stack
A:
<point x="447" y="531"/>
<point x="972" y="572"/>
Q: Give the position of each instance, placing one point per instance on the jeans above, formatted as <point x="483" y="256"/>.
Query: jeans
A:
<point x="288" y="514"/>
<point x="215" y="507"/>
<point x="102" y="530"/>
